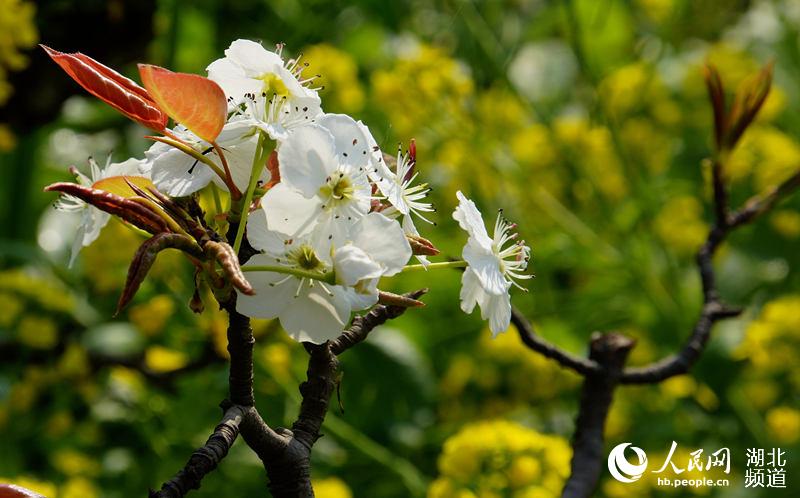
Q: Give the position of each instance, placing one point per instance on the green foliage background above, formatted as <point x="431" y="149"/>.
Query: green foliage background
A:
<point x="585" y="119"/>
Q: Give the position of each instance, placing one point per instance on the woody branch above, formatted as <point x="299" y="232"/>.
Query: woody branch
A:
<point x="285" y="453"/>
<point x="604" y="369"/>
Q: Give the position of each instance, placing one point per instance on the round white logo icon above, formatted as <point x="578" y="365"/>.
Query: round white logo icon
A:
<point x="621" y="469"/>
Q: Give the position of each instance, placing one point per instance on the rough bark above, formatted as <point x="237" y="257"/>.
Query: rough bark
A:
<point x="609" y="352"/>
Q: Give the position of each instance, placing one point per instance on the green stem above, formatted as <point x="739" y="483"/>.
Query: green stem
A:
<point x="435" y="266"/>
<point x="328" y="277"/>
<point x="217" y="200"/>
<point x="251" y="188"/>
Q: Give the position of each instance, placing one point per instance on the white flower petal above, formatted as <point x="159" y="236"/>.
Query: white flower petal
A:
<point x="261" y="237"/>
<point x="497" y="309"/>
<point x="77" y="244"/>
<point x="233" y="81"/>
<point x="289" y="212"/>
<point x="352" y="145"/>
<point x="352" y="264"/>
<point x="240" y="163"/>
<point x="272" y="297"/>
<point x="486" y="266"/>
<point x="129" y="167"/>
<point x="364" y="295"/>
<point x="178" y="174"/>
<point x="237" y="130"/>
<point x="306" y="159"/>
<point x="384" y="240"/>
<point x="314" y="316"/>
<point x="411" y="229"/>
<point x="469" y="219"/>
<point x="253" y="58"/>
<point x="471" y="291"/>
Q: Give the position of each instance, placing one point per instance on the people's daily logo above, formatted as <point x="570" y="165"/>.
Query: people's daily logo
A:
<point x="623" y="470"/>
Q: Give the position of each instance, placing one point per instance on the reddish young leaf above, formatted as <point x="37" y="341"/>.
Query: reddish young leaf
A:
<point x="130" y="211"/>
<point x="145" y="257"/>
<point x="119" y="92"/>
<point x="194" y="101"/>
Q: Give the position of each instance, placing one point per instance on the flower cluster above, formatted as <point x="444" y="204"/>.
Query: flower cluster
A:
<point x="327" y="212"/>
<point x="501" y="458"/>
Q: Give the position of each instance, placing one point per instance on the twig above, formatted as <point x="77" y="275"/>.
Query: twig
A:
<point x="206" y="458"/>
<point x="363" y="325"/>
<point x="681" y="362"/>
<point x="713" y="309"/>
<point x="583" y="366"/>
<point x="720" y="194"/>
<point x="604" y="369"/>
<point x="762" y="203"/>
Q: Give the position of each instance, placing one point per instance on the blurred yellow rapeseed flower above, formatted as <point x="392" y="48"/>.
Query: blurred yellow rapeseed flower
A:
<point x="493" y="372"/>
<point x="499" y="111"/>
<point x="18" y="33"/>
<point x="150" y="317"/>
<point x="161" y="359"/>
<point x="78" y="487"/>
<point x="628" y="88"/>
<point x="592" y="149"/>
<point x="45" y="292"/>
<point x="786" y="223"/>
<point x="38" y="332"/>
<point x="532" y="146"/>
<point x="424" y="88"/>
<point x="783" y="424"/>
<point x="766" y="153"/>
<point x="659" y="11"/>
<point x="501" y="458"/>
<point x="331" y="487"/>
<point x="277" y="357"/>
<point x="680" y="224"/>
<point x="10" y="308"/>
<point x="343" y="92"/>
<point x="73" y="463"/>
<point x="772" y="341"/>
<point x="646" y="144"/>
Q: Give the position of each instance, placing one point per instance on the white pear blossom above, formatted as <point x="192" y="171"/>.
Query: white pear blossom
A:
<point x="92" y="219"/>
<point x="178" y="174"/>
<point x="314" y="303"/>
<point x="324" y="187"/>
<point x="262" y="87"/>
<point x="398" y="187"/>
<point x="405" y="199"/>
<point x="493" y="265"/>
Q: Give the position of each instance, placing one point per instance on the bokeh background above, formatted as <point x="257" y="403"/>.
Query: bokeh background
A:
<point x="585" y="119"/>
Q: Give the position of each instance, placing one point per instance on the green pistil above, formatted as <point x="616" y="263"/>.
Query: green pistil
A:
<point x="338" y="188"/>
